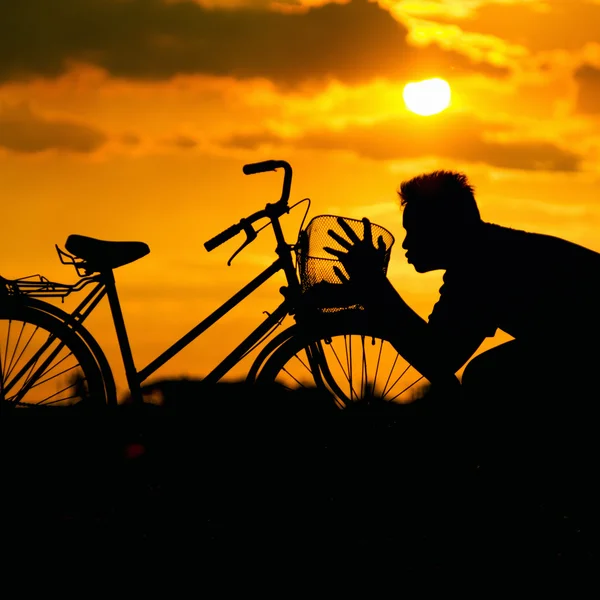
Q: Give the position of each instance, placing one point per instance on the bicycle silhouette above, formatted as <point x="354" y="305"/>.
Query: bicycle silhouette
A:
<point x="49" y="358"/>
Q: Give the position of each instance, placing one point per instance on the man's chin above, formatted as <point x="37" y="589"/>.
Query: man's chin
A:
<point x="417" y="267"/>
<point x="422" y="268"/>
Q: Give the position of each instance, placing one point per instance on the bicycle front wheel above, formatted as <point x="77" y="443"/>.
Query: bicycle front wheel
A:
<point x="347" y="358"/>
<point x="43" y="362"/>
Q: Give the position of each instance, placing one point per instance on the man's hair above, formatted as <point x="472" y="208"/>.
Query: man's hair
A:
<point x="445" y="194"/>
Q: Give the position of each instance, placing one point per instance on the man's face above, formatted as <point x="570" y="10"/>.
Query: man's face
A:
<point x="425" y="241"/>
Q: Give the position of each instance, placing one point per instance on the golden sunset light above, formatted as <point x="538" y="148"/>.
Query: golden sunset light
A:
<point x="283" y="281"/>
<point x="427" y="97"/>
<point x="132" y="121"/>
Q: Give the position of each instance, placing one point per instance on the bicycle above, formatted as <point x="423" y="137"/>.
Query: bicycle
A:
<point x="49" y="358"/>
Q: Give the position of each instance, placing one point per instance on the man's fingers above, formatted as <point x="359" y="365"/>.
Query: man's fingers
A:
<point x="348" y="230"/>
<point x="340" y="275"/>
<point x="381" y="244"/>
<point x="344" y="243"/>
<point x="337" y="253"/>
<point x="368" y="234"/>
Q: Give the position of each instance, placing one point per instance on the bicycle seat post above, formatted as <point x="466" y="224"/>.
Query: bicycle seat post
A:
<point x="125" y="347"/>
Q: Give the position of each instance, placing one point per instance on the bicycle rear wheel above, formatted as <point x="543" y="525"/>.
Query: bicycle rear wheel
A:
<point x="349" y="359"/>
<point x="43" y="362"/>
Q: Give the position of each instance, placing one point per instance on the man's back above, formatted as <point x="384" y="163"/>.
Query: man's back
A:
<point x="532" y="286"/>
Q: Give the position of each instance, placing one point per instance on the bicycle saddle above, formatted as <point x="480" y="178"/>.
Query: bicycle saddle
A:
<point x="102" y="255"/>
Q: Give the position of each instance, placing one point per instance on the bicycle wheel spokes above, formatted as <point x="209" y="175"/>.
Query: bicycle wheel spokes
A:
<point x="352" y="367"/>
<point x="11" y="357"/>
<point x="37" y="368"/>
<point x="344" y="370"/>
<point x="407" y="383"/>
<point x="290" y="374"/>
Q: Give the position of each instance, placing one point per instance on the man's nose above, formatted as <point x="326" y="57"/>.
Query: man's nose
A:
<point x="404" y="243"/>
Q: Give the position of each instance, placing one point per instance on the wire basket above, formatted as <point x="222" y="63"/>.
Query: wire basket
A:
<point x="315" y="265"/>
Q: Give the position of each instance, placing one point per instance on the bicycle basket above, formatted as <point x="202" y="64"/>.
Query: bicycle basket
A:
<point x="315" y="265"/>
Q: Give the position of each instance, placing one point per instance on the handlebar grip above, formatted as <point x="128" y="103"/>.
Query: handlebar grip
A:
<point x="261" y="167"/>
<point x="222" y="237"/>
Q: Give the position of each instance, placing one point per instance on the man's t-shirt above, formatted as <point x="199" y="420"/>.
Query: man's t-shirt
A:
<point x="535" y="287"/>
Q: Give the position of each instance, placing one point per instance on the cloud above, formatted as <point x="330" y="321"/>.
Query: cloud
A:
<point x="130" y="139"/>
<point x="551" y="25"/>
<point x="458" y="137"/>
<point x="23" y="131"/>
<point x="182" y="142"/>
<point x="587" y="78"/>
<point x="156" y="39"/>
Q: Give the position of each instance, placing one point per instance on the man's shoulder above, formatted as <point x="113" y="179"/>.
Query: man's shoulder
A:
<point x="492" y="249"/>
<point x="499" y="238"/>
<point x="494" y="232"/>
<point x="499" y="242"/>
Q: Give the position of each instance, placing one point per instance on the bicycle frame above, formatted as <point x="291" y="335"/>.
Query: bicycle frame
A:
<point x="135" y="378"/>
<point x="105" y="285"/>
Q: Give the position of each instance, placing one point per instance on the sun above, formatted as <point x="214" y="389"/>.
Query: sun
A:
<point x="427" y="97"/>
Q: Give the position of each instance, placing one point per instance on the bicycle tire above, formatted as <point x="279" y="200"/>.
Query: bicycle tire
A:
<point x="46" y="363"/>
<point x="329" y="355"/>
<point x="90" y="341"/>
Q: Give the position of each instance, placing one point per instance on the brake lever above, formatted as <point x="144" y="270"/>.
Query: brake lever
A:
<point x="250" y="237"/>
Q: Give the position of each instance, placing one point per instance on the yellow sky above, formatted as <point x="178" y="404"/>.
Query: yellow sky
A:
<point x="132" y="120"/>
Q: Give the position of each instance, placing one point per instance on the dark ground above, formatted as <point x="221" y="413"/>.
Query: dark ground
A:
<point x="272" y="480"/>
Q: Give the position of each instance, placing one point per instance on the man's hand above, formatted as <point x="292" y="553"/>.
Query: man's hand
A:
<point x="363" y="261"/>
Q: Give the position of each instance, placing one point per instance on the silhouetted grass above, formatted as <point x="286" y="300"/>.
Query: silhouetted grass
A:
<point x="229" y="465"/>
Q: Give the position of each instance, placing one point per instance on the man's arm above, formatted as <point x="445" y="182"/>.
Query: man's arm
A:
<point x="436" y="352"/>
<point x="436" y="355"/>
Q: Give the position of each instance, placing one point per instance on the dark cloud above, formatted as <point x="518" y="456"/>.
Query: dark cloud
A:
<point x="558" y="24"/>
<point x="182" y="142"/>
<point x="587" y="78"/>
<point x="446" y="136"/>
<point x="21" y="130"/>
<point x="130" y="139"/>
<point x="156" y="39"/>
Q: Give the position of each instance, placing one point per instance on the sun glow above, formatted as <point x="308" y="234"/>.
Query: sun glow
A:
<point x="427" y="97"/>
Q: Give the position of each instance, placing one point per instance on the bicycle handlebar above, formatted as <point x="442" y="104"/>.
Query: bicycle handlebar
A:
<point x="244" y="225"/>
<point x="260" y="167"/>
<point x="281" y="205"/>
<point x="222" y="237"/>
<point x="272" y="165"/>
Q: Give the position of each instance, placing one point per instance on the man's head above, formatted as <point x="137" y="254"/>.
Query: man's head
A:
<point x="439" y="212"/>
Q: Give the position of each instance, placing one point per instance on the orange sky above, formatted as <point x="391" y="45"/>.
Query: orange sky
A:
<point x="132" y="119"/>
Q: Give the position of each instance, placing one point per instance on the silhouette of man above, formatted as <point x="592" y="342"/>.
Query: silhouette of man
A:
<point x="541" y="290"/>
